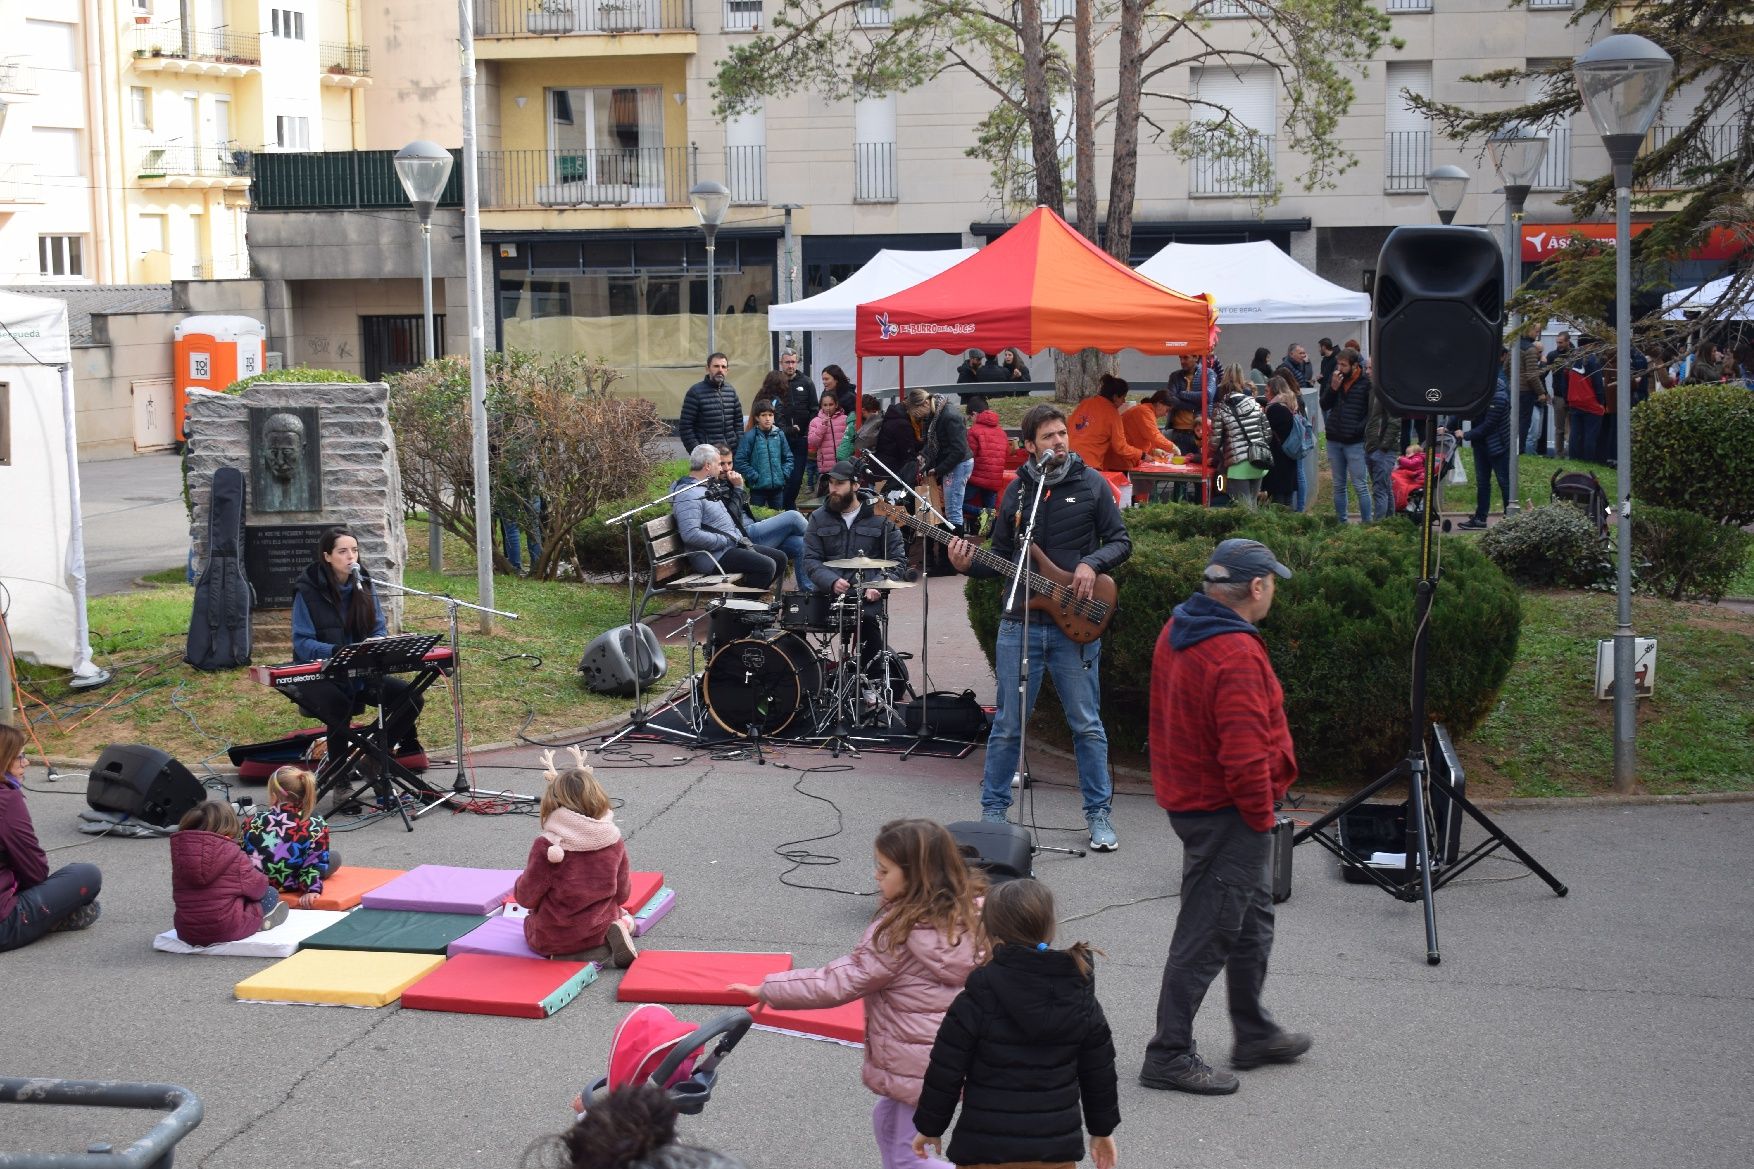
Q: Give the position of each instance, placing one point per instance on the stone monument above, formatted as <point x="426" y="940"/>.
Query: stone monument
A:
<point x="286" y="459"/>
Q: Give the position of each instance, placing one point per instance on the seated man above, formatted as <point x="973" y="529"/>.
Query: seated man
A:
<point x="784" y="531"/>
<point x="715" y="542"/>
<point x="842" y="528"/>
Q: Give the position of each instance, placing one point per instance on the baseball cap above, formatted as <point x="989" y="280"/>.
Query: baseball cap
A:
<point x="1244" y="560"/>
<point x="844" y="471"/>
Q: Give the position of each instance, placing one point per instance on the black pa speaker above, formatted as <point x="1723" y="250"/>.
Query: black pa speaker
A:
<point x="1001" y="851"/>
<point x="613" y="659"/>
<point x="1439" y="319"/>
<point x="135" y="780"/>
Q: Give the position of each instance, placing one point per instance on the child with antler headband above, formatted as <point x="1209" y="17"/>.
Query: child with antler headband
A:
<point x="576" y="877"/>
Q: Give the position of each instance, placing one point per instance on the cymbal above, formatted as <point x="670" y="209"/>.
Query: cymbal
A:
<point x="726" y="588"/>
<point x="891" y="584"/>
<point x="860" y="562"/>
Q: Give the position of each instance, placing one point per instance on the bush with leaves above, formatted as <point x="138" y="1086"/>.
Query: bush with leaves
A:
<point x="600" y="547"/>
<point x="1549" y="547"/>
<point x="555" y="432"/>
<point x="1340" y="634"/>
<point x="1693" y="448"/>
<point x="1682" y="555"/>
<point x="297" y="373"/>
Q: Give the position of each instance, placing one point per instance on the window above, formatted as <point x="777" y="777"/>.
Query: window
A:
<point x="61" y="255"/>
<point x="606" y="146"/>
<point x="745" y="157"/>
<point x="292" y="133"/>
<point x="742" y="15"/>
<point x="143" y="6"/>
<point x="871" y="13"/>
<point x="51" y="44"/>
<point x="1555" y="172"/>
<point x="287" y="23"/>
<point x="149" y="235"/>
<point x="57" y="152"/>
<point x="874" y="169"/>
<point x="1238" y="122"/>
<point x="1230" y="9"/>
<point x="1407" y="131"/>
<point x="140" y="107"/>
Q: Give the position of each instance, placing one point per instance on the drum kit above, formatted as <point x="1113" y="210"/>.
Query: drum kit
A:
<point x="804" y="667"/>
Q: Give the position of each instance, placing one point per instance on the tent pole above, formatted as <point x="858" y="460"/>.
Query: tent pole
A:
<point x="859" y="391"/>
<point x="84" y="672"/>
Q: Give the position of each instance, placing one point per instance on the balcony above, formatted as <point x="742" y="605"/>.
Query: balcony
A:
<point x="1406" y="159"/>
<point x="336" y="180"/>
<point x="343" y="65"/>
<point x="194" y="166"/>
<point x="1712" y="145"/>
<point x="1550" y="4"/>
<point x="874" y="173"/>
<point x="1249" y="171"/>
<point x="18" y="185"/>
<point x="167" y="48"/>
<point x="17" y="77"/>
<point x="746" y="174"/>
<point x="1231" y="10"/>
<point x="1555" y="172"/>
<point x="594" y="18"/>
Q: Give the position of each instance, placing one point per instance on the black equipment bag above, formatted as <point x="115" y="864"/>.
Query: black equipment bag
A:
<point x="949" y="714"/>
<point x="219" y="624"/>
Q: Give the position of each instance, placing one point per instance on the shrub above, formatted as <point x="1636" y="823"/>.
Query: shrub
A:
<point x="1684" y="555"/>
<point x="1340" y="633"/>
<point x="298" y="373"/>
<point x="1549" y="547"/>
<point x="599" y="547"/>
<point x="1693" y="448"/>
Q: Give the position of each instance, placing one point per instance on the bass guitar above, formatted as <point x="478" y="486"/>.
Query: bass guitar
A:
<point x="1048" y="585"/>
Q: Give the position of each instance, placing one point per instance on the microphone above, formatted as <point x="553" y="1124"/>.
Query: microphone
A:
<point x="353" y="572"/>
<point x="1048" y="459"/>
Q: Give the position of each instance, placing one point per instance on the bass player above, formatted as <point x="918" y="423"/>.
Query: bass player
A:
<point x="1079" y="528"/>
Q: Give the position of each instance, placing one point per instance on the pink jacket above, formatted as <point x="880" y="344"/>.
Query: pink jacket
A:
<point x="825" y="435"/>
<point x="906" y="993"/>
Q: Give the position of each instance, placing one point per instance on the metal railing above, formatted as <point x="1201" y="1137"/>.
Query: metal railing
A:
<point x="872" y="13"/>
<point x="549" y="18"/>
<point x="1231" y="9"/>
<point x="1230" y="175"/>
<point x="1406" y="159"/>
<point x="874" y="173"/>
<point x="742" y="15"/>
<point x="746" y="173"/>
<point x="651" y="176"/>
<point x="339" y="57"/>
<point x="1555" y="172"/>
<point x="1409" y="5"/>
<point x="206" y="162"/>
<point x="17" y="77"/>
<point x="336" y="180"/>
<point x="1713" y="144"/>
<point x="1550" y="3"/>
<point x="170" y="40"/>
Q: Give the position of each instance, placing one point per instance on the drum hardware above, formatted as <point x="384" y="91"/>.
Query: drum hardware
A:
<point x="730" y="618"/>
<point x="892" y="584"/>
<point x="727" y="588"/>
<point x="759" y="684"/>
<point x="860" y="564"/>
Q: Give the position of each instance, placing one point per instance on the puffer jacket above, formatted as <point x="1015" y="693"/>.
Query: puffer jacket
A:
<point x="710" y="414"/>
<point x="704" y="525"/>
<point x="826" y="433"/>
<point x="1347" y="409"/>
<point x="990" y="444"/>
<point x="1240" y="422"/>
<point x="1493" y="429"/>
<point x="906" y="992"/>
<point x="216" y="890"/>
<point x="763" y="458"/>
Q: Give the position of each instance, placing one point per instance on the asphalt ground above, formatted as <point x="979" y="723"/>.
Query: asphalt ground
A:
<point x="135" y="522"/>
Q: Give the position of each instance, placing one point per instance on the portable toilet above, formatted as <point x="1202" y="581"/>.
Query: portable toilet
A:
<point x="211" y="352"/>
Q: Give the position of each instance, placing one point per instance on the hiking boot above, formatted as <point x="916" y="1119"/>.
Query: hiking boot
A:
<point x="1191" y="1074"/>
<point x="1102" y="833"/>
<point x="80" y="918"/>
<point x="1284" y="1047"/>
<point x="622" y="951"/>
<point x="1472" y="524"/>
<point x="994" y="815"/>
<point x="275" y="916"/>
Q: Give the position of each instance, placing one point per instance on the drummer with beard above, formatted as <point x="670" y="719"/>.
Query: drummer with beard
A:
<point x="845" y="527"/>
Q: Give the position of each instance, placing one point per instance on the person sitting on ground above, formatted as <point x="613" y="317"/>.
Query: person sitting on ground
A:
<point x="633" y="1127"/>
<point x="34" y="901"/>
<point x="288" y="841"/>
<point x="576" y="877"/>
<point x="1097" y="434"/>
<point x="716" y="543"/>
<point x="1142" y="427"/>
<point x="764" y="459"/>
<point x="219" y="895"/>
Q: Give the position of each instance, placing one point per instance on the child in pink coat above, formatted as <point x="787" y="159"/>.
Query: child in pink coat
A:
<point x="826" y="431"/>
<point x="908" y="967"/>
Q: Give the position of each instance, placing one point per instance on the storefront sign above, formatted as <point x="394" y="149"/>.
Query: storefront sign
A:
<point x="1543" y="241"/>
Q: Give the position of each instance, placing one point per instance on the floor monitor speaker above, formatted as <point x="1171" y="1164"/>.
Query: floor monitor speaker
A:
<point x="135" y="780"/>
<point x="613" y="659"/>
<point x="1001" y="851"/>
<point x="1439" y="319"/>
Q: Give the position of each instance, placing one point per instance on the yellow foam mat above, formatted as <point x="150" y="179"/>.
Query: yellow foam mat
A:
<point x="348" y="978"/>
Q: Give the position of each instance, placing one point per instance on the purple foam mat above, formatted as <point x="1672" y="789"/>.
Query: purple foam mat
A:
<point x="445" y="889"/>
<point x="503" y="936"/>
<point x="651" y="911"/>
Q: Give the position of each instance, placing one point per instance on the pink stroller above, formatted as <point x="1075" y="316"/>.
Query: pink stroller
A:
<point x="653" y="1046"/>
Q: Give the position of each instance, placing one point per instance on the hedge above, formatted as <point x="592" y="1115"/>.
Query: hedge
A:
<point x="297" y="373"/>
<point x="1693" y="448"/>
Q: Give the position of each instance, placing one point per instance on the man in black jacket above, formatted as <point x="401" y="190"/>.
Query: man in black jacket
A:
<point x="945" y="456"/>
<point x="711" y="412"/>
<point x="842" y="528"/>
<point x="976" y="368"/>
<point x="1346" y="406"/>
<point x="1079" y="528"/>
<point x="794" y="418"/>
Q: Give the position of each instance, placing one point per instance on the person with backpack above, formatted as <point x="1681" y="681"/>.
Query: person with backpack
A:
<point x="1244" y="443"/>
<point x="1292" y="435"/>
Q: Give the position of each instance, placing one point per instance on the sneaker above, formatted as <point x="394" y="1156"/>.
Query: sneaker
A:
<point x="80" y="918"/>
<point x="622" y="951"/>
<point x="275" y="916"/>
<point x="1472" y="524"/>
<point x="1102" y="833"/>
<point x="1284" y="1047"/>
<point x="994" y="815"/>
<point x="1191" y="1074"/>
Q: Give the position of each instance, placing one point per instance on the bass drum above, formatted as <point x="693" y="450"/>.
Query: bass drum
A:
<point x="762" y="681"/>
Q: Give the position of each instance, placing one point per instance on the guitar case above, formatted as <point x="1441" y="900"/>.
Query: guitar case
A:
<point x="219" y="625"/>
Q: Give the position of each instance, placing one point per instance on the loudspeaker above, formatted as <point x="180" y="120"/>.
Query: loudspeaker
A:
<point x="613" y="659"/>
<point x="1439" y="319"/>
<point x="135" y="780"/>
<point x="1001" y="851"/>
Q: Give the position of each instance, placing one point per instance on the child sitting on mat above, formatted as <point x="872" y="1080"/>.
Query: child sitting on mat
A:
<point x="219" y="895"/>
<point x="1021" y="1046"/>
<point x="288" y="841"/>
<point x="576" y="877"/>
<point x="908" y="967"/>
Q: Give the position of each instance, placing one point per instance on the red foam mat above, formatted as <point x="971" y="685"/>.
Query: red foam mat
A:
<point x="491" y="984"/>
<point x="695" y="976"/>
<point x="645" y="887"/>
<point x="845" y="1023"/>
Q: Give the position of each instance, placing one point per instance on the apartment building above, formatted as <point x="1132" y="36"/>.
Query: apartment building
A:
<point x="595" y="118"/>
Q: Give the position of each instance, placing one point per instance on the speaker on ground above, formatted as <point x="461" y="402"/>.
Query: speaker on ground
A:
<point x="132" y="779"/>
<point x="1438" y="320"/>
<point x="614" y="659"/>
<point x="1001" y="851"/>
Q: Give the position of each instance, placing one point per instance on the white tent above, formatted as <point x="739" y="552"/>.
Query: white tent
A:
<point x="1690" y="302"/>
<point x="831" y="317"/>
<point x="43" y="568"/>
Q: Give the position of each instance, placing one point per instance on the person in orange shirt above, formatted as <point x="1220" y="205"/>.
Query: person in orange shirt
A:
<point x="1142" y="425"/>
<point x="1096" y="432"/>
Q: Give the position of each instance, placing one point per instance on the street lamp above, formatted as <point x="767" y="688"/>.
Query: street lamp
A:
<point x="424" y="168"/>
<point x="1517" y="152"/>
<point x="1447" y="185"/>
<point x="710" y="201"/>
<point x="1622" y="80"/>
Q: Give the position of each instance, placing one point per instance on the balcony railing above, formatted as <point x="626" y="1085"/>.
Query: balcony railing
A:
<point x="742" y="15"/>
<point x="746" y="173"/>
<point x="873" y="13"/>
<point x="1712" y="145"/>
<point x="1234" y="175"/>
<point x="1550" y="3"/>
<point x="874" y="177"/>
<point x="1409" y="5"/>
<point x="195" y="162"/>
<point x="653" y="176"/>
<point x="17" y="77"/>
<point x="551" y="18"/>
<point x="1555" y="172"/>
<point x="1406" y="160"/>
<point x="1231" y="9"/>
<point x="350" y="60"/>
<point x="336" y="180"/>
<point x="169" y="40"/>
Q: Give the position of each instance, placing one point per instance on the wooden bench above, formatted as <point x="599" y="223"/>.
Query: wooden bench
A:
<point x="667" y="566"/>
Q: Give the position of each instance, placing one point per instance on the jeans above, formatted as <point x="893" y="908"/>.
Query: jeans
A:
<point x="1532" y="424"/>
<point x="1485" y="467"/>
<point x="1346" y="460"/>
<point x="955" y="487"/>
<point x="975" y="501"/>
<point x="1225" y="923"/>
<point x="41" y="908"/>
<point x="509" y="533"/>
<point x="1382" y="484"/>
<point x="1306" y="479"/>
<point x="1077" y="680"/>
<point x="800" y="444"/>
<point x="785" y="532"/>
<point x="893" y="1122"/>
<point x="766" y="497"/>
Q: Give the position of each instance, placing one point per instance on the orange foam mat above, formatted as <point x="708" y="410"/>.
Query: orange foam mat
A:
<point x="343" y="888"/>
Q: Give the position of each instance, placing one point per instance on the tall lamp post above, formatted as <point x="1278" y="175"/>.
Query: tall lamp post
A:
<point x="710" y="201"/>
<point x="1447" y="185"/>
<point x="1518" y="152"/>
<point x="424" y="168"/>
<point x="1623" y="80"/>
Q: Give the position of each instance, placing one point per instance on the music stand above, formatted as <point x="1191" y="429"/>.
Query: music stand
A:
<point x="373" y="659"/>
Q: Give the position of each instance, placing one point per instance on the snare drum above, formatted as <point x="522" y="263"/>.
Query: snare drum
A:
<point x="763" y="680"/>
<point x="822" y="611"/>
<point x="730" y="618"/>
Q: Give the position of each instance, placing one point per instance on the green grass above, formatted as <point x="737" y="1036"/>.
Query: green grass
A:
<point x="168" y="576"/>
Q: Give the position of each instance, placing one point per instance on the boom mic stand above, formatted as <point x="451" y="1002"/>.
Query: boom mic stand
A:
<point x="1414" y="768"/>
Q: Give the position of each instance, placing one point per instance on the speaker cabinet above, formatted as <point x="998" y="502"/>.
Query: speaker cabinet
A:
<point x="1001" y="851"/>
<point x="135" y="780"/>
<point x="613" y="659"/>
<point x="1439" y="319"/>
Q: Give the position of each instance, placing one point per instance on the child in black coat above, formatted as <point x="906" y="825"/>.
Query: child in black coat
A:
<point x="1023" y="1046"/>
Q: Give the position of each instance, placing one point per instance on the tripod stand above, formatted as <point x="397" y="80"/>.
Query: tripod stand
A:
<point x="1417" y="880"/>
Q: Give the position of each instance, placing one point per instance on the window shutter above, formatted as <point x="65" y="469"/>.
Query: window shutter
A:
<point x="1398" y="116"/>
<point x="1246" y="93"/>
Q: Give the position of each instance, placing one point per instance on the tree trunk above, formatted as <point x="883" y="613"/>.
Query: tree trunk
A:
<point x="1124" y="176"/>
<point x="1038" y="111"/>
<point x="1076" y="374"/>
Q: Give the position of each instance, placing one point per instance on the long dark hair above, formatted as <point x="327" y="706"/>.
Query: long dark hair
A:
<point x="1261" y="363"/>
<point x="361" y="616"/>
<point x="842" y="383"/>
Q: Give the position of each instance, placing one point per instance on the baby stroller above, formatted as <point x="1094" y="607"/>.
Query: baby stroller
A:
<point x="1446" y="461"/>
<point x="653" y="1046"/>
